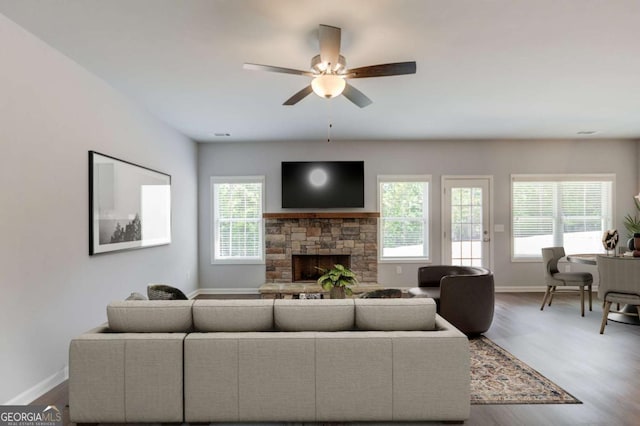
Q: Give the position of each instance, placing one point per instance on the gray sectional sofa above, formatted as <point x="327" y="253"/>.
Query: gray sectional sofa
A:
<point x="266" y="360"/>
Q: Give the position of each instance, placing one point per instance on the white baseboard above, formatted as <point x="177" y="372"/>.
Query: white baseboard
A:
<point x="40" y="389"/>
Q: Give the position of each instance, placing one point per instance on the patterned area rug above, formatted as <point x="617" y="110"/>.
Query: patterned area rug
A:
<point x="497" y="377"/>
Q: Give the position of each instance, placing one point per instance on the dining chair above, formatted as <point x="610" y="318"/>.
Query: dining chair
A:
<point x="618" y="284"/>
<point x="554" y="278"/>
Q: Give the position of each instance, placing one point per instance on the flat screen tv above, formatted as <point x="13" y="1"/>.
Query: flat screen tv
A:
<point x="322" y="184"/>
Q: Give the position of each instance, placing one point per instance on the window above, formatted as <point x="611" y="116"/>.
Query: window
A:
<point x="237" y="229"/>
<point x="568" y="210"/>
<point x="404" y="217"/>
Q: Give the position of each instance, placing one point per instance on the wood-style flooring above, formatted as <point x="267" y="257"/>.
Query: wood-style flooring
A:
<point x="603" y="371"/>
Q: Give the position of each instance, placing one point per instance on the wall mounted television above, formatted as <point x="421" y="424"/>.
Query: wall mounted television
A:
<point x="322" y="184"/>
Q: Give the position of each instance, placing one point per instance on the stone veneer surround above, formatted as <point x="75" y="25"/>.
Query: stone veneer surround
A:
<point x="315" y="233"/>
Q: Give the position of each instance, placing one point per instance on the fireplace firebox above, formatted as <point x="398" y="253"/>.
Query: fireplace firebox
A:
<point x="306" y="267"/>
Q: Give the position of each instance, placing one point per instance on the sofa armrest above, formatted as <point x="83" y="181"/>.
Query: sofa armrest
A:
<point x="431" y="371"/>
<point x="126" y="377"/>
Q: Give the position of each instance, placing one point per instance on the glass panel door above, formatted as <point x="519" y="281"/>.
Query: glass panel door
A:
<point x="466" y="234"/>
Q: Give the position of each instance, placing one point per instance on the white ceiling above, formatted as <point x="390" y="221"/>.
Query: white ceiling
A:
<point x="485" y="68"/>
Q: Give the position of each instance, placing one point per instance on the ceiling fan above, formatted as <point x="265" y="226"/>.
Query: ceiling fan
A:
<point x="329" y="71"/>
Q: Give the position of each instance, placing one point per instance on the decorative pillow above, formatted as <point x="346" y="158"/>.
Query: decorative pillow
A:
<point x="136" y="296"/>
<point x="385" y="293"/>
<point x="164" y="292"/>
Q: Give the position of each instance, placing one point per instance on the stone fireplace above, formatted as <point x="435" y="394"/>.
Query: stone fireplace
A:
<point x="297" y="243"/>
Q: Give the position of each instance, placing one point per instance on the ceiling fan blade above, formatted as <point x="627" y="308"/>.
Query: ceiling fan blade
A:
<point x="298" y="96"/>
<point x="258" y="67"/>
<point x="356" y="96"/>
<point x="383" y="70"/>
<point x="329" y="44"/>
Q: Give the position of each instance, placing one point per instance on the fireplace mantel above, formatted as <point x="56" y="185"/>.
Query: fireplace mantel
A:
<point x="320" y="215"/>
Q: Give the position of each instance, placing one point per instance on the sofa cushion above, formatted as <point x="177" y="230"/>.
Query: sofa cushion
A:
<point x="314" y="314"/>
<point x="395" y="314"/>
<point x="150" y="316"/>
<point x="233" y="315"/>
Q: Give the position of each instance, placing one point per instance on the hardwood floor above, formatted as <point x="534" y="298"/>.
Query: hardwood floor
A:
<point x="603" y="371"/>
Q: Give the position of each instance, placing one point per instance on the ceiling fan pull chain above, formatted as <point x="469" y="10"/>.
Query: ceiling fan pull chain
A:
<point x="329" y="122"/>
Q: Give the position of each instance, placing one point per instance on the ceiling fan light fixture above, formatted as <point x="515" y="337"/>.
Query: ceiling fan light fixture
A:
<point x="319" y="67"/>
<point x="328" y="85"/>
<point x="329" y="71"/>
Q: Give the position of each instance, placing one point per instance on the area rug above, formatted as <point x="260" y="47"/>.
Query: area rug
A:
<point x="498" y="377"/>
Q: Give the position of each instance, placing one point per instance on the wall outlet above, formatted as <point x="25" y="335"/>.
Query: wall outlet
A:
<point x="188" y="274"/>
<point x="398" y="270"/>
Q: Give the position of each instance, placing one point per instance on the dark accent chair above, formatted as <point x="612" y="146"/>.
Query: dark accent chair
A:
<point x="465" y="295"/>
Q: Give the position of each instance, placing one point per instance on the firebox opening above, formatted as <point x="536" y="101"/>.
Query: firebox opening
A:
<point x="305" y="266"/>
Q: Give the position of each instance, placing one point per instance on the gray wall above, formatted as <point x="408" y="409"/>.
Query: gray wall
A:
<point x="497" y="158"/>
<point x="51" y="113"/>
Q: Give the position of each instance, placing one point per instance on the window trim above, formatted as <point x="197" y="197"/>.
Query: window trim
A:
<point x="212" y="218"/>
<point x="555" y="177"/>
<point x="406" y="178"/>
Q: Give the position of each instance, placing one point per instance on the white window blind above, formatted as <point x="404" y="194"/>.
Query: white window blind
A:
<point x="568" y="211"/>
<point x="237" y="219"/>
<point x="404" y="211"/>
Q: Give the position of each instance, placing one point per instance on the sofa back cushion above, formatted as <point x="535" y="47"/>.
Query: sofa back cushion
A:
<point x="314" y="314"/>
<point x="233" y="315"/>
<point x="150" y="316"/>
<point x="395" y="314"/>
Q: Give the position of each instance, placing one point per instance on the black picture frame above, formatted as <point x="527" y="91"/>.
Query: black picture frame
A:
<point x="129" y="205"/>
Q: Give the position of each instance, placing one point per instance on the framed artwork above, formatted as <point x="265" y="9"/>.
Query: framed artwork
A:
<point x="129" y="205"/>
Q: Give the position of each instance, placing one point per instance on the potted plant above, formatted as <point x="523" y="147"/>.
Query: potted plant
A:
<point x="632" y="223"/>
<point x="338" y="281"/>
